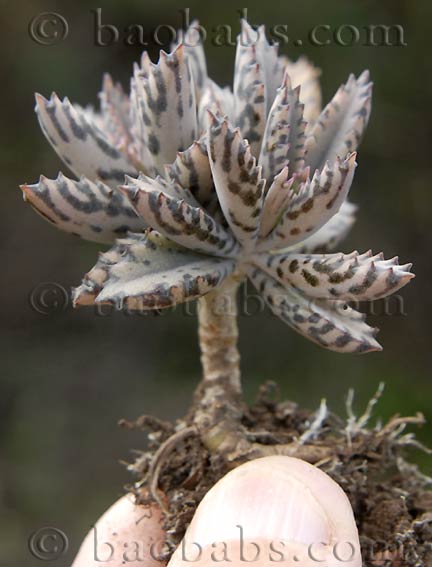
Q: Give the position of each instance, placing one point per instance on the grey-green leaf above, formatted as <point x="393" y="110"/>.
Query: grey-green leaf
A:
<point x="84" y="148"/>
<point x="88" y="209"/>
<point x="331" y="324"/>
<point x="144" y="272"/>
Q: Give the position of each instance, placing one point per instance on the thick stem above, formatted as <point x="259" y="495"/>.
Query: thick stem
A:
<point x="218" y="335"/>
<point x="219" y="407"/>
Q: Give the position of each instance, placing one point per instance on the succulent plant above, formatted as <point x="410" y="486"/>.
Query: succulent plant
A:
<point x="205" y="187"/>
<point x="220" y="186"/>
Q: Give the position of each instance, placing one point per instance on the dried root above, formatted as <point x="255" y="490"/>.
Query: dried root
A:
<point x="161" y="456"/>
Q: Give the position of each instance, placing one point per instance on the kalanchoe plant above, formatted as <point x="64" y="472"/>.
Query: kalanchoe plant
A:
<point x="206" y="187"/>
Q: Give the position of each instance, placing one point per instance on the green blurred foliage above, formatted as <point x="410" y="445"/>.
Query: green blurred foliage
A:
<point x="68" y="377"/>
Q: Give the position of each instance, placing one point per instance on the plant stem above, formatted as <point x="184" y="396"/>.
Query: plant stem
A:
<point x="218" y="335"/>
<point x="219" y="407"/>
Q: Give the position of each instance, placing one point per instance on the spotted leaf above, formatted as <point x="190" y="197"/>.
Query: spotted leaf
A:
<point x="351" y="277"/>
<point x="267" y="58"/>
<point x="276" y="201"/>
<point x="83" y="147"/>
<point x="249" y="96"/>
<point x="88" y="209"/>
<point x="284" y="136"/>
<point x="188" y="225"/>
<point x="137" y="109"/>
<point x="194" y="53"/>
<point x="191" y="169"/>
<point x="331" y="324"/>
<point x="218" y="101"/>
<point x="341" y="124"/>
<point x="146" y="271"/>
<point x="169" y="186"/>
<point x="334" y="231"/>
<point x="237" y="179"/>
<point x="115" y="110"/>
<point x="305" y="75"/>
<point x="166" y="106"/>
<point x="313" y="204"/>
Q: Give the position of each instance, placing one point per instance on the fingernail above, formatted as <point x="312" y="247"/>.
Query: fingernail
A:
<point x="274" y="503"/>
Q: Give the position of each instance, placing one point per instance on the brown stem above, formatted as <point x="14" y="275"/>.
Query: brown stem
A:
<point x="219" y="407"/>
<point x="218" y="334"/>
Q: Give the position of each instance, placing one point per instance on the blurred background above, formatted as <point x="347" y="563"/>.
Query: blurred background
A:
<point x="68" y="376"/>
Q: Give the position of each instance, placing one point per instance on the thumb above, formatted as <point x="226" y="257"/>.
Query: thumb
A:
<point x="272" y="510"/>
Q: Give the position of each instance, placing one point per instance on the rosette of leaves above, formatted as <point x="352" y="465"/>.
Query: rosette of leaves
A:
<point x="204" y="187"/>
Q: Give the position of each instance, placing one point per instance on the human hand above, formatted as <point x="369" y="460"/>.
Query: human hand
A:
<point x="272" y="510"/>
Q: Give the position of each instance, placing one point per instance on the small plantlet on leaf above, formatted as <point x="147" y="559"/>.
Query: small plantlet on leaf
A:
<point x="202" y="187"/>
